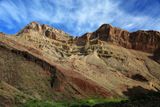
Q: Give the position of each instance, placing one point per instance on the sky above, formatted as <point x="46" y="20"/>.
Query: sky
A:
<point x="77" y="17"/>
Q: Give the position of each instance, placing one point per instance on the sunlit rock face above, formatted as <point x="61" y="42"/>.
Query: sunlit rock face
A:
<point x="147" y="41"/>
<point x="45" y="30"/>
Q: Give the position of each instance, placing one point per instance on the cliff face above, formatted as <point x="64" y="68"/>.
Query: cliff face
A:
<point x="112" y="34"/>
<point x="147" y="41"/>
<point x="41" y="62"/>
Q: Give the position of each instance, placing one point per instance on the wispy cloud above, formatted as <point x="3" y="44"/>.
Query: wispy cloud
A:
<point x="78" y="16"/>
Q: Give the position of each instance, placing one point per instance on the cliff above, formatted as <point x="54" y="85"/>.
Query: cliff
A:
<point x="147" y="41"/>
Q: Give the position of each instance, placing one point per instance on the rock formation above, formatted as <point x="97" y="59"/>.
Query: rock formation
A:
<point x="147" y="41"/>
<point x="44" y="30"/>
<point x="41" y="62"/>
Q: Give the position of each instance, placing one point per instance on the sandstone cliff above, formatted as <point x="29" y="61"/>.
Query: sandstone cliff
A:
<point x="147" y="41"/>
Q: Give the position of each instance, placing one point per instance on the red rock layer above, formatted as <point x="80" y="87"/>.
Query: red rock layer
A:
<point x="147" y="41"/>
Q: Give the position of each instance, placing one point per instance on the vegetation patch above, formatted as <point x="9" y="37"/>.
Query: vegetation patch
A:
<point x="146" y="100"/>
<point x="76" y="103"/>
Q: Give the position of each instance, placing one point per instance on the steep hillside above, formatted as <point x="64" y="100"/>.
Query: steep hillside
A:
<point x="41" y="62"/>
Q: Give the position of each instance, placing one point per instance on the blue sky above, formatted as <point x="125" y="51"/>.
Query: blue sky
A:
<point x="77" y="17"/>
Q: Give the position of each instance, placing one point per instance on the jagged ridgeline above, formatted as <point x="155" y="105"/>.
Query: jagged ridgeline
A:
<point x="43" y="63"/>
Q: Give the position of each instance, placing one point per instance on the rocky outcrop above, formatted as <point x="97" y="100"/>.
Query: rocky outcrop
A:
<point x="147" y="41"/>
<point x="84" y="39"/>
<point x="50" y="34"/>
<point x="44" y="30"/>
<point x="112" y="34"/>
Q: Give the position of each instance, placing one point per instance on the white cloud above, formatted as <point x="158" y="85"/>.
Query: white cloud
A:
<point x="79" y="16"/>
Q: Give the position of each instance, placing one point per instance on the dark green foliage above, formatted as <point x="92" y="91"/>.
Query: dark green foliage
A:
<point x="77" y="103"/>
